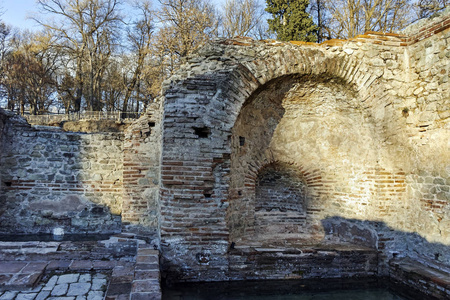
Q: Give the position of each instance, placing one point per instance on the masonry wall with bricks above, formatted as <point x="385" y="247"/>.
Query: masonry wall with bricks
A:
<point x="256" y="145"/>
<point x="141" y="164"/>
<point x="56" y="179"/>
<point x="357" y="130"/>
<point x="83" y="183"/>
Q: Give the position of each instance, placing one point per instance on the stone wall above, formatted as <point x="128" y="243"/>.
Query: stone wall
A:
<point x="257" y="150"/>
<point x="141" y="165"/>
<point x="361" y="127"/>
<point x="83" y="183"/>
<point x="55" y="179"/>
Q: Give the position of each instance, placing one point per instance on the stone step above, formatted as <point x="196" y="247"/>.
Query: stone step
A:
<point x="20" y="275"/>
<point x="146" y="281"/>
<point x="29" y="247"/>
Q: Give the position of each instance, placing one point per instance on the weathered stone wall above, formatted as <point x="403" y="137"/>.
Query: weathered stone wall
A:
<point x="141" y="165"/>
<point x="83" y="183"/>
<point x="259" y="145"/>
<point x="58" y="179"/>
<point x="361" y="125"/>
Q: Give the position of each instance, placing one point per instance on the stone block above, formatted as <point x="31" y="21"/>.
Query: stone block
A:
<point x="50" y="283"/>
<point x="81" y="265"/>
<point x="42" y="295"/>
<point x="12" y="267"/>
<point x="79" y="289"/>
<point x="9" y="295"/>
<point x="85" y="278"/>
<point x="149" y="285"/>
<point x="99" y="284"/>
<point x="95" y="295"/>
<point x="118" y="288"/>
<point x="122" y="279"/>
<point x="60" y="290"/>
<point x="5" y="279"/>
<point x="103" y="265"/>
<point x="25" y="280"/>
<point x="68" y="278"/>
<point x="146" y="266"/>
<point x="26" y="296"/>
<point x="147" y="259"/>
<point x="142" y="275"/>
<point x="34" y="267"/>
<point x="145" y="296"/>
<point x="58" y="265"/>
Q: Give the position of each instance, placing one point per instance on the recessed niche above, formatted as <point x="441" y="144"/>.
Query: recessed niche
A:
<point x="241" y="141"/>
<point x="202" y="132"/>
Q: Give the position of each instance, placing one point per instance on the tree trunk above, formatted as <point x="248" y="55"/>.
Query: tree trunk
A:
<point x="79" y="89"/>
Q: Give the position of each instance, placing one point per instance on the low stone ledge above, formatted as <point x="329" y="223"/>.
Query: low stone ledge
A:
<point x="433" y="283"/>
<point x="308" y="262"/>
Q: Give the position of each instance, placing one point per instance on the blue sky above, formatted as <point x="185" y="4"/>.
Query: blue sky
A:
<point x="15" y="12"/>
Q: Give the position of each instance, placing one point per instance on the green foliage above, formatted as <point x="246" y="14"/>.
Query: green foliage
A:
<point x="290" y="20"/>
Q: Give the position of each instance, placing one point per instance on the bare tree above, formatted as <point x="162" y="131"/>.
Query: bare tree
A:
<point x="30" y="71"/>
<point x="140" y="38"/>
<point x="66" y="88"/>
<point x="242" y="18"/>
<point x="115" y="84"/>
<point x="349" y="18"/>
<point x="426" y="8"/>
<point x="86" y="29"/>
<point x="321" y="17"/>
<point x="5" y="33"/>
<point x="186" y="24"/>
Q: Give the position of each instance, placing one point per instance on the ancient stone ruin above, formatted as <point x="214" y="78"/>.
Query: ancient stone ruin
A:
<point x="264" y="160"/>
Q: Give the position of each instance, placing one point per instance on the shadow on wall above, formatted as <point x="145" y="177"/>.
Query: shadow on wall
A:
<point x="389" y="242"/>
<point x="56" y="179"/>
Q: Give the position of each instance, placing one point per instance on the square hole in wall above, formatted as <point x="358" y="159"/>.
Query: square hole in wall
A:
<point x="241" y="141"/>
<point x="202" y="132"/>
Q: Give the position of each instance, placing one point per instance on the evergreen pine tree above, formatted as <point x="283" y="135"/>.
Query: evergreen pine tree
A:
<point x="290" y="20"/>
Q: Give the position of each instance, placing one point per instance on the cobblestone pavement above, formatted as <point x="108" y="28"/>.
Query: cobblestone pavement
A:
<point x="72" y="286"/>
<point x="120" y="269"/>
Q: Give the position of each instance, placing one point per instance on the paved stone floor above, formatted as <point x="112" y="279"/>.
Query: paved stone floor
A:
<point x="72" y="286"/>
<point x="118" y="269"/>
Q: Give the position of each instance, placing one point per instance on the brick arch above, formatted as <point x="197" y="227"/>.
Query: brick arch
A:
<point x="280" y="186"/>
<point x="269" y="221"/>
<point x="252" y="75"/>
<point x="279" y="65"/>
<point x="311" y="177"/>
<point x="200" y="111"/>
